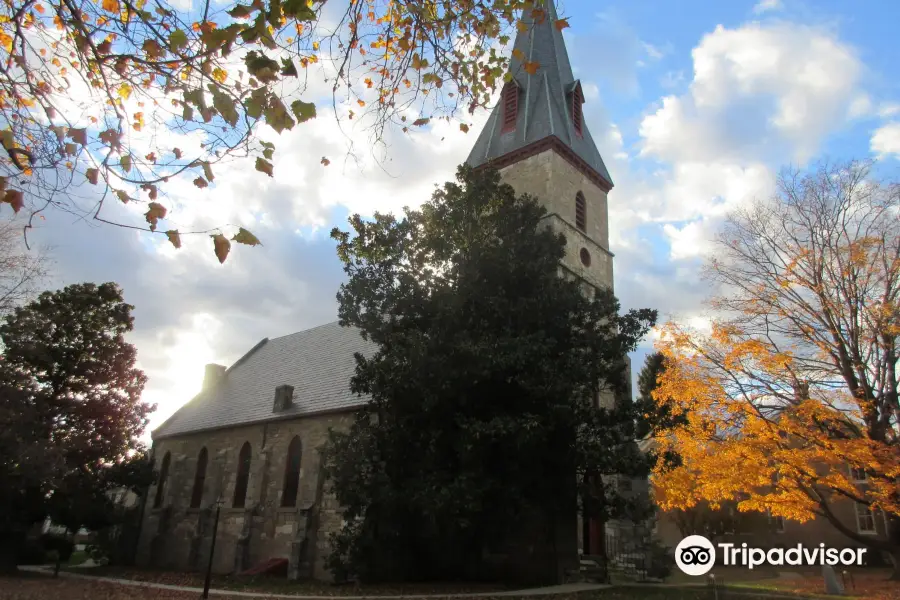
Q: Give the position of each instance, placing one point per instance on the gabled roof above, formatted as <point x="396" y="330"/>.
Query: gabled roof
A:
<point x="545" y="102"/>
<point x="318" y="363"/>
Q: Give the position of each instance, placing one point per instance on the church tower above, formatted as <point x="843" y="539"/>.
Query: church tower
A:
<point x="538" y="140"/>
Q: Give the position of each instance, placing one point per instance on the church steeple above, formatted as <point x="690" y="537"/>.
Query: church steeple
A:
<point x="540" y="108"/>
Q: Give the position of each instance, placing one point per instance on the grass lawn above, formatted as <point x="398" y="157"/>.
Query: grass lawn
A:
<point x="281" y="585"/>
<point x="78" y="557"/>
<point x="860" y="583"/>
<point x="741" y="584"/>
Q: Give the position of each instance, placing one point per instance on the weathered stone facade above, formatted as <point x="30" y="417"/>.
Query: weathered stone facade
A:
<point x="179" y="537"/>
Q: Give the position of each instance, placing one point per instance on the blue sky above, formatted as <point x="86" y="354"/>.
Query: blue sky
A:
<point x="695" y="106"/>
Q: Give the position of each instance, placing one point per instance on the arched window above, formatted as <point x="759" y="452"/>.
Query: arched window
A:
<point x="292" y="473"/>
<point x="199" y="479"/>
<point x="243" y="474"/>
<point x="161" y="484"/>
<point x="580" y="212"/>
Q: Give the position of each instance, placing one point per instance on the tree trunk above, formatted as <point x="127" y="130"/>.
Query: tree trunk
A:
<point x="895" y="558"/>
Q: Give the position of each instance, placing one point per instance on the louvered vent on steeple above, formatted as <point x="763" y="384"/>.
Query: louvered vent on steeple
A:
<point x="541" y="106"/>
<point x="510" y="100"/>
<point x="577" y="115"/>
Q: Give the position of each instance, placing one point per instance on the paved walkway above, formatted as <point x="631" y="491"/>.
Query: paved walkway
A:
<point x="569" y="588"/>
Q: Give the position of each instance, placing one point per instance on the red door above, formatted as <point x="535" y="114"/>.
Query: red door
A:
<point x="595" y="541"/>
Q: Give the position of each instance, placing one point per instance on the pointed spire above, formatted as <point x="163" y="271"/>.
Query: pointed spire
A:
<point x="547" y="103"/>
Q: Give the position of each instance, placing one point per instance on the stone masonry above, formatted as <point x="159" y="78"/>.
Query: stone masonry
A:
<point x="178" y="537"/>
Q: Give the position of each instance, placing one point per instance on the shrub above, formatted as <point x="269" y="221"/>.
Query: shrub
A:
<point x="32" y="552"/>
<point x="61" y="546"/>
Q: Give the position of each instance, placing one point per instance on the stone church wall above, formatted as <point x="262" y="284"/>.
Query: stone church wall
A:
<point x="175" y="536"/>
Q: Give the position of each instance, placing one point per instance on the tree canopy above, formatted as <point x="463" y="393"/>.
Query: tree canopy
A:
<point x="484" y="387"/>
<point x="654" y="416"/>
<point x="792" y="398"/>
<point x="115" y="100"/>
<point x="71" y="410"/>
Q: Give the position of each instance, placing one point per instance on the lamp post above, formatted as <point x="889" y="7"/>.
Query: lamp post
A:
<point x="212" y="549"/>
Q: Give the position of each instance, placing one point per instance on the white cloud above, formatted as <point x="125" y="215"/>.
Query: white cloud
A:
<point x="889" y="109"/>
<point x="861" y="106"/>
<point x="754" y="86"/>
<point x="886" y="140"/>
<point x="653" y="52"/>
<point x="767" y="6"/>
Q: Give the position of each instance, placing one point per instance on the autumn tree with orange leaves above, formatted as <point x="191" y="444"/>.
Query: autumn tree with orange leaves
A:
<point x="793" y="395"/>
<point x="98" y="98"/>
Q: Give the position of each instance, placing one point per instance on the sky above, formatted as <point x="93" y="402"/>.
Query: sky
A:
<point x="696" y="105"/>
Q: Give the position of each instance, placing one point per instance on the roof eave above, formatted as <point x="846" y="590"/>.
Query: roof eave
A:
<point x="278" y="417"/>
<point x="551" y="142"/>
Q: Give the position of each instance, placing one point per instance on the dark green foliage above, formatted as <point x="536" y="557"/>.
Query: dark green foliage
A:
<point x="660" y="561"/>
<point x="33" y="552"/>
<point x="59" y="546"/>
<point x="70" y="411"/>
<point x="653" y="415"/>
<point x="115" y="544"/>
<point x="483" y="410"/>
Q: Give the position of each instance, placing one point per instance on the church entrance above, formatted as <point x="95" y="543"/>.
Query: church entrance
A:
<point x="592" y="530"/>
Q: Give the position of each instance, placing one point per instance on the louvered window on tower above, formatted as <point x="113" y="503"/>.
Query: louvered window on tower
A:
<point x="580" y="212"/>
<point x="577" y="116"/>
<point x="510" y="99"/>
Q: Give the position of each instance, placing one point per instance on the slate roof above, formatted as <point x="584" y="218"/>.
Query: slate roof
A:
<point x="317" y="362"/>
<point x="544" y="104"/>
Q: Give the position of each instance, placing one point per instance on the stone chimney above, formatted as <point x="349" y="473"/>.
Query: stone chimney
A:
<point x="212" y="376"/>
<point x="284" y="398"/>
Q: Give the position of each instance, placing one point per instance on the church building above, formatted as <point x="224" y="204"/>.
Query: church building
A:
<point x="248" y="442"/>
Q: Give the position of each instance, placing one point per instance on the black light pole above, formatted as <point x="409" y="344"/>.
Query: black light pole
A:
<point x="212" y="550"/>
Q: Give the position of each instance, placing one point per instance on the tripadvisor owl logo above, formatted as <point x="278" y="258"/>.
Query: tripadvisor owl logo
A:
<point x="695" y="555"/>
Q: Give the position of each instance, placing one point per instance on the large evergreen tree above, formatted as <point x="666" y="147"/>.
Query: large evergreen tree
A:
<point x="483" y="389"/>
<point x="654" y="414"/>
<point x="70" y="410"/>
